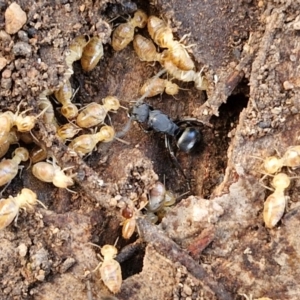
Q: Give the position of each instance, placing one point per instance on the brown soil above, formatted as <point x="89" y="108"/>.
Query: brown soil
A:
<point x="216" y="248"/>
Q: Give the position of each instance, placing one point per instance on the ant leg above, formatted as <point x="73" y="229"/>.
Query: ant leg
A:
<point x="175" y="161"/>
<point x="89" y="291"/>
<point x="124" y="130"/>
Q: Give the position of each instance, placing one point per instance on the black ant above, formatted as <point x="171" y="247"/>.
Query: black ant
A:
<point x="184" y="131"/>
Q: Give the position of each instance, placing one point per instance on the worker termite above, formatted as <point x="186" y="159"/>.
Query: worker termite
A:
<point x="92" y="53"/>
<point x="8" y="139"/>
<point x="124" y="33"/>
<point x="9" y="167"/>
<point x="68" y="131"/>
<point x="74" y="52"/>
<point x="163" y="36"/>
<point x="9" y="208"/>
<point x="64" y="96"/>
<point x="274" y="205"/>
<point x="6" y="123"/>
<point x="273" y="164"/>
<point x="23" y="123"/>
<point x="156" y="86"/>
<point x="45" y="104"/>
<point x="85" y="143"/>
<point x="186" y="76"/>
<point x="110" y="269"/>
<point x="145" y="49"/>
<point x="95" y="113"/>
<point x="51" y="172"/>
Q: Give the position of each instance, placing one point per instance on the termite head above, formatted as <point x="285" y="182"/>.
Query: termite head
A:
<point x="281" y="181"/>
<point x="62" y="180"/>
<point x="69" y="111"/>
<point x="22" y="153"/>
<point x="111" y="103"/>
<point x="109" y="251"/>
<point x="171" y="88"/>
<point x="272" y="164"/>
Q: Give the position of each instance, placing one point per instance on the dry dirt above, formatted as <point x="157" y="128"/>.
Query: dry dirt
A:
<point x="212" y="245"/>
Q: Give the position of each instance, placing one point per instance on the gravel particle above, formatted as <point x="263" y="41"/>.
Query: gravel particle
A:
<point x="187" y="290"/>
<point x="67" y="264"/>
<point x="22" y="48"/>
<point x="6" y="83"/>
<point x="22" y="248"/>
<point x="4" y="36"/>
<point x="23" y="36"/>
<point x="6" y="73"/>
<point x="3" y="62"/>
<point x="287" y="85"/>
<point x="15" y="18"/>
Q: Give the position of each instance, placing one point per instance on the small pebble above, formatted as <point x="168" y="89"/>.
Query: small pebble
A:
<point x="3" y="62"/>
<point x="4" y="36"/>
<point x="6" y="73"/>
<point x="22" y="49"/>
<point x="287" y="85"/>
<point x="187" y="290"/>
<point x="23" y="36"/>
<point x="15" y="18"/>
<point x="22" y="248"/>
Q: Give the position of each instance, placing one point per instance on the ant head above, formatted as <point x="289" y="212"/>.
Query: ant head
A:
<point x="188" y="138"/>
<point x="140" y="113"/>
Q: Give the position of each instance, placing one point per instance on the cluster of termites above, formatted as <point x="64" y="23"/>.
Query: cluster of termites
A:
<point x="154" y="206"/>
<point x="275" y="204"/>
<point x="89" y="52"/>
<point x="17" y="126"/>
<point x="173" y="56"/>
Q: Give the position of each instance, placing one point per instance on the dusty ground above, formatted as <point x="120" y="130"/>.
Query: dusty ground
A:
<point x="250" y="50"/>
